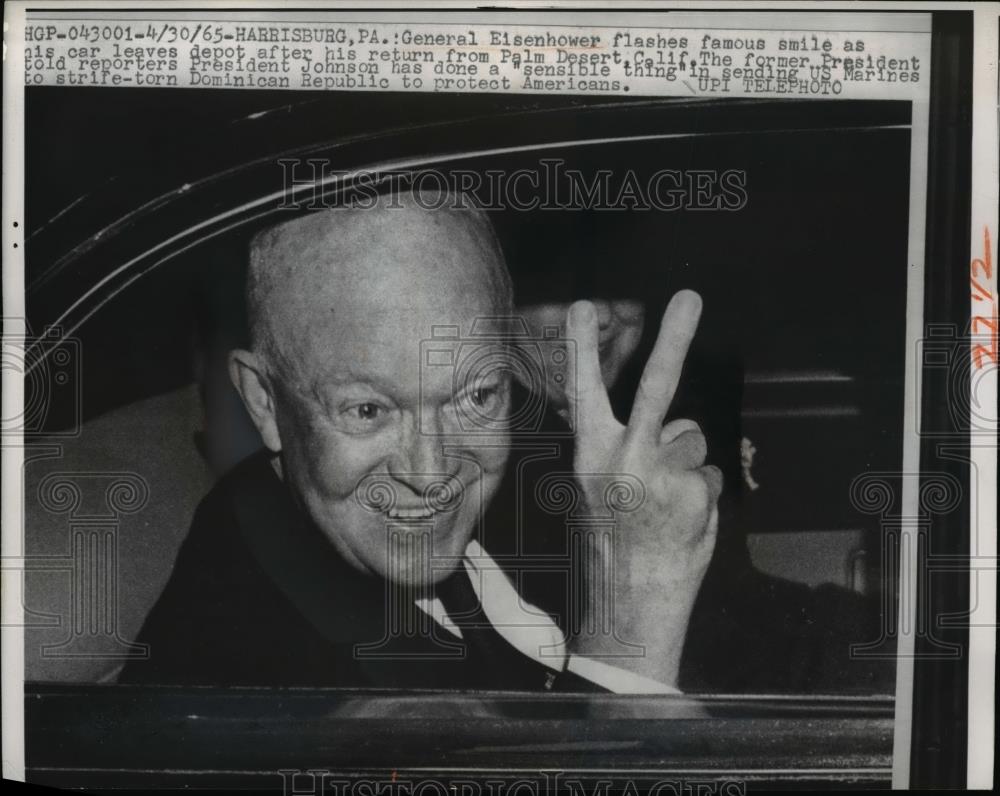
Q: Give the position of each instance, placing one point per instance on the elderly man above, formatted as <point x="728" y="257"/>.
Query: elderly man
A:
<point x="351" y="551"/>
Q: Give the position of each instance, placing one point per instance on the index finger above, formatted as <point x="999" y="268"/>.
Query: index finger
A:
<point x="663" y="370"/>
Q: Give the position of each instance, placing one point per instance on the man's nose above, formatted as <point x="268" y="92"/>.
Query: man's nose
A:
<point x="420" y="462"/>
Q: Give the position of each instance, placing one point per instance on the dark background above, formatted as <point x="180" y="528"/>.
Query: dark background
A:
<point x="801" y="344"/>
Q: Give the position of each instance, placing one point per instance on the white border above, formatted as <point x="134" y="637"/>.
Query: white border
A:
<point x="11" y="451"/>
<point x="983" y="477"/>
<point x="982" y="637"/>
<point x="906" y="607"/>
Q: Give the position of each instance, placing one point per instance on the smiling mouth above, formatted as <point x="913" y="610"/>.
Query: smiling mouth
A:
<point x="383" y="494"/>
<point x="421" y="513"/>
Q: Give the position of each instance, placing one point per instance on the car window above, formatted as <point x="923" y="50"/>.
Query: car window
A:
<point x="800" y="412"/>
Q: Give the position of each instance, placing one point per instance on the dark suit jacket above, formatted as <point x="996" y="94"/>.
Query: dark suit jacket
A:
<point x="258" y="597"/>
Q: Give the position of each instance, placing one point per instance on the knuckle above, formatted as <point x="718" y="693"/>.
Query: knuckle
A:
<point x="680" y="431"/>
<point x="713" y="479"/>
<point x="682" y="424"/>
<point x="691" y="448"/>
<point x="694" y="426"/>
<point x="691" y="490"/>
<point x="698" y="444"/>
<point x="704" y="491"/>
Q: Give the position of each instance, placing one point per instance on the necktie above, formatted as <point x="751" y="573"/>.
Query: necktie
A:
<point x="495" y="663"/>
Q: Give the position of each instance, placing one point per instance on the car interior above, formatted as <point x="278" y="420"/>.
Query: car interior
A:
<point x="796" y="399"/>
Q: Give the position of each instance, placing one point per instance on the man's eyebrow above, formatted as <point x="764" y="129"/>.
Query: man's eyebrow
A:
<point x="490" y="377"/>
<point x="351" y="379"/>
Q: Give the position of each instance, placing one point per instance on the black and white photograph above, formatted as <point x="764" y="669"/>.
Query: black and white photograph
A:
<point x="498" y="402"/>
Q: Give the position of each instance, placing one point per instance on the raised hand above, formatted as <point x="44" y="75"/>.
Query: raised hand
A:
<point x="660" y="550"/>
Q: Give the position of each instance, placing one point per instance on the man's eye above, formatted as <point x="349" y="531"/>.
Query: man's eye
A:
<point x="482" y="396"/>
<point x="487" y="398"/>
<point x="363" y="417"/>
<point x="366" y="411"/>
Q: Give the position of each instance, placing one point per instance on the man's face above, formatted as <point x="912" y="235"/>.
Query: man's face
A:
<point x="375" y="445"/>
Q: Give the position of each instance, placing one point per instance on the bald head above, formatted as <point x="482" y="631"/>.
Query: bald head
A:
<point x="416" y="249"/>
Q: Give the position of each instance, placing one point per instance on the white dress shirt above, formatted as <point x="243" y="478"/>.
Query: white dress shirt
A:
<point x="531" y="631"/>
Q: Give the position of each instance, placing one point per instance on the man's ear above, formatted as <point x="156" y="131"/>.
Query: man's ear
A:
<point x="251" y="383"/>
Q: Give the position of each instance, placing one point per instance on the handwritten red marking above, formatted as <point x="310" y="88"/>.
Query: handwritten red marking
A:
<point x="984" y="265"/>
<point x="984" y="294"/>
